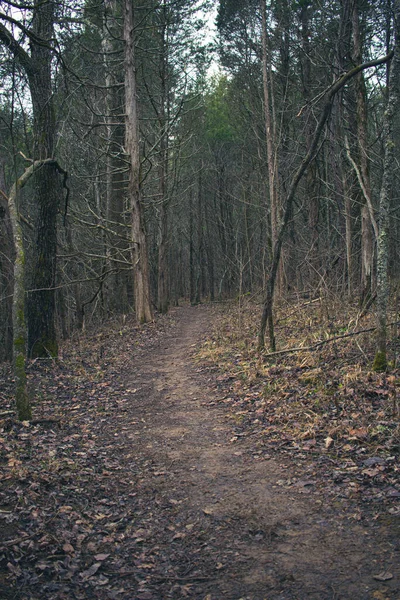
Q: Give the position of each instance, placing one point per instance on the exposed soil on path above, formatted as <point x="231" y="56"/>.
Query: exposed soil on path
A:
<point x="185" y="513"/>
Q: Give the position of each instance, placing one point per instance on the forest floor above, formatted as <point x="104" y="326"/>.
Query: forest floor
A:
<point x="172" y="461"/>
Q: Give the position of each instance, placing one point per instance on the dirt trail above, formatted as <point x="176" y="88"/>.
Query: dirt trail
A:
<point x="138" y="491"/>
<point x="212" y="521"/>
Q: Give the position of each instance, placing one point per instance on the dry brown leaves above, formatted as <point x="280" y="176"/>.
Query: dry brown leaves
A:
<point x="326" y="408"/>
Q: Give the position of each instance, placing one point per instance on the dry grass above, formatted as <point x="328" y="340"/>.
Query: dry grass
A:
<point x="328" y="397"/>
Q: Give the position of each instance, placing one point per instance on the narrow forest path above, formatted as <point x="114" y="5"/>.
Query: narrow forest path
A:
<point x="216" y="524"/>
<point x="138" y="491"/>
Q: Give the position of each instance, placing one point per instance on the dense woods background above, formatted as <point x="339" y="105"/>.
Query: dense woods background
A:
<point x="161" y="161"/>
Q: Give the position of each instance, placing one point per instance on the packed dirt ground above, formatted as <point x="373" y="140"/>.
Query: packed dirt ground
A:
<point x="169" y="462"/>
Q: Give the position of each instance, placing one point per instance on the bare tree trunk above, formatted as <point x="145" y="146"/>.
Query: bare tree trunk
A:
<point x="311" y="179"/>
<point x="389" y="165"/>
<point x="6" y="274"/>
<point x="163" y="292"/>
<point x="117" y="248"/>
<point x="163" y="275"/>
<point x="267" y="313"/>
<point x="349" y="231"/>
<point x="18" y="313"/>
<point x="199" y="219"/>
<point x="270" y="135"/>
<point x="22" y="399"/>
<point x="42" y="338"/>
<point x="192" y="277"/>
<point x="163" y="283"/>
<point x="19" y="306"/>
<point x="367" y="238"/>
<point x="139" y="242"/>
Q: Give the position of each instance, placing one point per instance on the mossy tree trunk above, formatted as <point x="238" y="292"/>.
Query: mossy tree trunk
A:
<point x="6" y="272"/>
<point x="22" y="399"/>
<point x="389" y="165"/>
<point x="19" y="295"/>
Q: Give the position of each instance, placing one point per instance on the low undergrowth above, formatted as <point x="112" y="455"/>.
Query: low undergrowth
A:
<point x="324" y="404"/>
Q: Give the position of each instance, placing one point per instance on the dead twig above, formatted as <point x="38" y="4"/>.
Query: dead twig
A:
<point x="319" y="344"/>
<point x="6" y="413"/>
<point x="16" y="541"/>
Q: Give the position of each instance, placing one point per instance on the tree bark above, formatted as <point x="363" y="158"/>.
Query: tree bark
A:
<point x="42" y="338"/>
<point x="267" y="313"/>
<point x="311" y="179"/>
<point x="19" y="309"/>
<point x="269" y="132"/>
<point x="139" y="243"/>
<point x="6" y="274"/>
<point x="389" y="165"/>
<point x="367" y="217"/>
<point x="163" y="299"/>
<point x="22" y="399"/>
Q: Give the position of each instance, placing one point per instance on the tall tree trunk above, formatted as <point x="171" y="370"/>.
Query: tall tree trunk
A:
<point x="311" y="179"/>
<point x="7" y="259"/>
<point x="163" y="275"/>
<point x="19" y="306"/>
<point x="270" y="133"/>
<point x="22" y="399"/>
<point x="163" y="299"/>
<point x="116" y="245"/>
<point x="192" y="275"/>
<point x="349" y="230"/>
<point x="139" y="242"/>
<point x="42" y="337"/>
<point x="367" y="237"/>
<point x="267" y="312"/>
<point x="199" y="219"/>
<point x="389" y="166"/>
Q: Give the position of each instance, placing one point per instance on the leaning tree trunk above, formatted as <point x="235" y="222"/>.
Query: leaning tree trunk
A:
<point x="139" y="242"/>
<point x="267" y="313"/>
<point x="389" y="165"/>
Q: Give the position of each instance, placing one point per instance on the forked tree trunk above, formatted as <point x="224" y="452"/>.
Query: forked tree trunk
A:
<point x="139" y="242"/>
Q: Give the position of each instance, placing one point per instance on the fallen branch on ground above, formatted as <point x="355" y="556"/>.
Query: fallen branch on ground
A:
<point x="321" y="343"/>
<point x="6" y="413"/>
